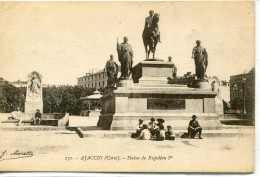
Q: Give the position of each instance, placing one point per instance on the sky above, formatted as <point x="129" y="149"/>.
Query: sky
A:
<point x="64" y="40"/>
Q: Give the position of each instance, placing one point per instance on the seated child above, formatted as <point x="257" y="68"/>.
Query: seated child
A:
<point x="138" y="130"/>
<point x="152" y="127"/>
<point x="160" y="133"/>
<point x="144" y="134"/>
<point x="169" y="134"/>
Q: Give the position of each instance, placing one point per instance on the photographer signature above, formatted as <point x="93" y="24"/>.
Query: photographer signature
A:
<point x="4" y="155"/>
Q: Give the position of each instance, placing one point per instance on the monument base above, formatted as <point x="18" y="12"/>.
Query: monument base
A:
<point x="202" y="84"/>
<point x="151" y="97"/>
<point x="31" y="107"/>
<point x="126" y="83"/>
<point x="178" y="121"/>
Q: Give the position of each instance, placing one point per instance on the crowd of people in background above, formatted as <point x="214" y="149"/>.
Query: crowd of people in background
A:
<point x="155" y="130"/>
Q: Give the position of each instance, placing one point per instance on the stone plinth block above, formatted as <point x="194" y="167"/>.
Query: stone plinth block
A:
<point x="219" y="108"/>
<point x="152" y="69"/>
<point x="126" y="83"/>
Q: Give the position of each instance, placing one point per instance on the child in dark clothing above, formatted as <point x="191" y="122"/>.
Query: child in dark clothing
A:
<point x="169" y="134"/>
<point x="160" y="133"/>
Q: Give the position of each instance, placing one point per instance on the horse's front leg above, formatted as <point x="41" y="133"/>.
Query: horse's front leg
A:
<point x="146" y="53"/>
<point x="154" y="51"/>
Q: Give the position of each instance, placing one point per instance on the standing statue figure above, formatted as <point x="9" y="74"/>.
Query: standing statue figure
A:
<point x="200" y="56"/>
<point x="151" y="33"/>
<point x="111" y="69"/>
<point x="125" y="57"/>
<point x="174" y="68"/>
<point x="34" y="87"/>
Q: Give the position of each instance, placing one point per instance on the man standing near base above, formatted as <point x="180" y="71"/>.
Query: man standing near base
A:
<point x="37" y="117"/>
<point x="194" y="128"/>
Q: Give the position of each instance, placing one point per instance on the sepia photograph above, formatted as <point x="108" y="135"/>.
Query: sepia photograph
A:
<point x="161" y="86"/>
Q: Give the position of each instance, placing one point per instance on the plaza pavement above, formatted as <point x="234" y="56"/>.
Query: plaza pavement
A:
<point x="63" y="150"/>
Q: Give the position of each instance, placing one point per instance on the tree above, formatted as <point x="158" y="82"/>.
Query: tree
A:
<point x="55" y="99"/>
<point x="11" y="97"/>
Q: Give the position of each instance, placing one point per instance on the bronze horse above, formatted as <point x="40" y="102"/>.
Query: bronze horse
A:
<point x="151" y="36"/>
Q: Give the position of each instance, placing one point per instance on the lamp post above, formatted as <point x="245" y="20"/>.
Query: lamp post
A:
<point x="234" y="93"/>
<point x="244" y="95"/>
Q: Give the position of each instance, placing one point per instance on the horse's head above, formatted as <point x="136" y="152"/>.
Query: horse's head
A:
<point x="156" y="18"/>
<point x="156" y="15"/>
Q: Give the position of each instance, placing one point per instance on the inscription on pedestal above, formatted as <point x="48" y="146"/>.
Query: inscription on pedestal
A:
<point x="166" y="104"/>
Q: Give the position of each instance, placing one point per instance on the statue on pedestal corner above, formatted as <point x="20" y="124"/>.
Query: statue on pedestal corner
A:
<point x="125" y="57"/>
<point x="174" y="68"/>
<point x="200" y="56"/>
<point x="111" y="69"/>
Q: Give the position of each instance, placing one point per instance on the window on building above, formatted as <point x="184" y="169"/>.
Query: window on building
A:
<point x="99" y="84"/>
<point x="103" y="83"/>
<point x="92" y="85"/>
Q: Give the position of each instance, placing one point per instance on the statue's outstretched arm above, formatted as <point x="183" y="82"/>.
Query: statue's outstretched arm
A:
<point x="206" y="58"/>
<point x="145" y="24"/>
<point x="131" y="52"/>
<point x="192" y="55"/>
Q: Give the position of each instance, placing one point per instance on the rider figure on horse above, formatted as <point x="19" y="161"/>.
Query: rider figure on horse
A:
<point x="151" y="24"/>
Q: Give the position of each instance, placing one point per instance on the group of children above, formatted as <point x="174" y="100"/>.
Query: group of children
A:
<point x="154" y="130"/>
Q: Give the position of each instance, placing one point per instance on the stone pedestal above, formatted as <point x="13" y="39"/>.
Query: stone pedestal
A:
<point x="204" y="84"/>
<point x="31" y="107"/>
<point x="219" y="108"/>
<point x="151" y="96"/>
<point x="149" y="71"/>
<point x="126" y="83"/>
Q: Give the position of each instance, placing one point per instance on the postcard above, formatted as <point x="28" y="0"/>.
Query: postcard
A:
<point x="127" y="86"/>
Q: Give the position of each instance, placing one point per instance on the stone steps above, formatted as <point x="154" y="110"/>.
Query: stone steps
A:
<point x="157" y="88"/>
<point x="179" y="134"/>
<point x="140" y="85"/>
<point x="32" y="128"/>
<point x="236" y="127"/>
<point x="246" y="122"/>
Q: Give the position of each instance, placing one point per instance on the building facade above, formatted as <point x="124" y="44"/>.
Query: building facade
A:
<point x="96" y="79"/>
<point x="242" y="93"/>
<point x="93" y="80"/>
<point x="20" y="83"/>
